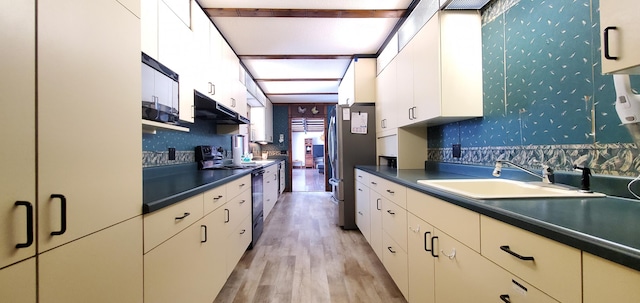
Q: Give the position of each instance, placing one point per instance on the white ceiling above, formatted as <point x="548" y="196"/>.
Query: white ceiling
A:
<point x="302" y="59"/>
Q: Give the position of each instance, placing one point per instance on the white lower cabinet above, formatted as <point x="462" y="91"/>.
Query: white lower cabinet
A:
<point x="606" y="281"/>
<point x="270" y="184"/>
<point x="190" y="266"/>
<point x="363" y="218"/>
<point x="18" y="282"/>
<point x="550" y="266"/>
<point x="422" y="269"/>
<point x="394" y="259"/>
<point x="191" y="253"/>
<point x="106" y="266"/>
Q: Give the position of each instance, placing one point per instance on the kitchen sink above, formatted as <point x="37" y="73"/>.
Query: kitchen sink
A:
<point x="505" y="189"/>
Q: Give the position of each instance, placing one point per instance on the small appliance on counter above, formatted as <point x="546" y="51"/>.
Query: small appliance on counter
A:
<point x="209" y="157"/>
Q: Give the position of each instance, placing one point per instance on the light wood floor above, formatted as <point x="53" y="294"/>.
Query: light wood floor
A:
<point x="307" y="179"/>
<point x="303" y="256"/>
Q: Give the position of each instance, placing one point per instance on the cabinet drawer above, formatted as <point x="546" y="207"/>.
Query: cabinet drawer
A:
<point x="394" y="222"/>
<point x="237" y="243"/>
<point x="164" y="223"/>
<point x="556" y="269"/>
<point x="214" y="198"/>
<point x="362" y="177"/>
<point x="396" y="193"/>
<point x="460" y="223"/>
<point x="235" y="187"/>
<point x="237" y="209"/>
<point x="395" y="261"/>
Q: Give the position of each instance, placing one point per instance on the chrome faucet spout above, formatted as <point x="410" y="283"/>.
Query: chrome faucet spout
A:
<point x="546" y="176"/>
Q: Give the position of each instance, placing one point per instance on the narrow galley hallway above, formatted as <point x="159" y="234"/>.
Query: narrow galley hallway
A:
<point x="303" y="256"/>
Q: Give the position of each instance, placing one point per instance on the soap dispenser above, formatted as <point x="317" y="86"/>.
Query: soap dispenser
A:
<point x="585" y="184"/>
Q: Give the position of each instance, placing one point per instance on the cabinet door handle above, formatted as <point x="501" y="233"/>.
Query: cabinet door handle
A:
<point x="183" y="216"/>
<point x="360" y="213"/>
<point x="63" y="214"/>
<point x="359" y="189"/>
<point x="391" y="250"/>
<point x="217" y="198"/>
<point x="605" y="34"/>
<point x="505" y="298"/>
<point x="374" y="183"/>
<point x="204" y="228"/>
<point x="390" y="191"/>
<point x="378" y="204"/>
<point x="29" y="207"/>
<point x="410" y="108"/>
<point x="390" y="212"/>
<point x="243" y="231"/>
<point x="426" y="234"/>
<point x="511" y="252"/>
<point x="433" y="251"/>
<point x="413" y="113"/>
<point x="242" y="201"/>
<point x="226" y="220"/>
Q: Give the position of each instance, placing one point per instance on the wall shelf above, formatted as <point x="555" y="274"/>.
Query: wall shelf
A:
<point x="150" y="127"/>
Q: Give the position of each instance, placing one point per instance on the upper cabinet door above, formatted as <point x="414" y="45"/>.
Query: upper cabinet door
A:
<point x="620" y="41"/>
<point x="17" y="156"/>
<point x="89" y="88"/>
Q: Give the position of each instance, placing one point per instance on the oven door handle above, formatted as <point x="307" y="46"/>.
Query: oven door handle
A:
<point x="334" y="181"/>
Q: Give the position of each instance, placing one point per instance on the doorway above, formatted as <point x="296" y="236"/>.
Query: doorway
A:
<point x="308" y="152"/>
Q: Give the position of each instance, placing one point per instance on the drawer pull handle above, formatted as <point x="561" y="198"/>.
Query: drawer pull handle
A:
<point x="426" y="233"/>
<point x="391" y="212"/>
<point x="359" y="176"/>
<point x="432" y="247"/>
<point x="505" y="298"/>
<point x="183" y="216"/>
<point x="391" y="250"/>
<point x="204" y="227"/>
<point x="241" y="185"/>
<point x="63" y="214"/>
<point x="359" y="189"/>
<point x="451" y="256"/>
<point x="242" y="201"/>
<point x="605" y="34"/>
<point x="29" y="207"/>
<point x="390" y="191"/>
<point x="361" y="213"/>
<point x="226" y="220"/>
<point x="374" y="183"/>
<point x="243" y="231"/>
<point x="217" y="198"/>
<point x="511" y="252"/>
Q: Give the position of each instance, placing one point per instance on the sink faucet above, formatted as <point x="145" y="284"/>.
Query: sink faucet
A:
<point x="546" y="176"/>
<point x="585" y="184"/>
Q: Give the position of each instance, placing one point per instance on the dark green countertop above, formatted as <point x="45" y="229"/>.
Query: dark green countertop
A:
<point x="608" y="227"/>
<point x="163" y="186"/>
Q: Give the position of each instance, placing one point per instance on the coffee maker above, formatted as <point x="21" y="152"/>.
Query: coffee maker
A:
<point x="209" y="157"/>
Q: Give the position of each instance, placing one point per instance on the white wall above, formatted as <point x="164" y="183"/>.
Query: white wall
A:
<point x="297" y="143"/>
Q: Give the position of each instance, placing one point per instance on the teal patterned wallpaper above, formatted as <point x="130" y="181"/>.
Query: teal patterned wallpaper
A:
<point x="545" y="99"/>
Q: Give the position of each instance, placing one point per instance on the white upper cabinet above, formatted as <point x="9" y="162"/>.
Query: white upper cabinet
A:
<point x="620" y="41"/>
<point x="359" y="82"/>
<point x="439" y="72"/>
<point x="262" y="123"/>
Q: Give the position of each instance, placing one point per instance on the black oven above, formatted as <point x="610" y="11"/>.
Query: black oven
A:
<point x="257" y="213"/>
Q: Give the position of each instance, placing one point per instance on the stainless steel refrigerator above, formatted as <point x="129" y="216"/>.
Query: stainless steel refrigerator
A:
<point x="352" y="141"/>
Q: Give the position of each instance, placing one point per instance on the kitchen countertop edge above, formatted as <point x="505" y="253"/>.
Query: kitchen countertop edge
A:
<point x="615" y="252"/>
<point x="159" y="203"/>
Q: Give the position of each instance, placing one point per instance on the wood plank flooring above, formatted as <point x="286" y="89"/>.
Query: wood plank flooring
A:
<point x="307" y="179"/>
<point x="303" y="256"/>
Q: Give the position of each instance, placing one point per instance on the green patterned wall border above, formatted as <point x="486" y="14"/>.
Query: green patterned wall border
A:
<point x="618" y="159"/>
<point x="156" y="158"/>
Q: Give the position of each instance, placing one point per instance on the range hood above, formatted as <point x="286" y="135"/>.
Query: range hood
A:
<point x="209" y="109"/>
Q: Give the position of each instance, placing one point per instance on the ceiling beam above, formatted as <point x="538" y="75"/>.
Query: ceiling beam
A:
<point x="300" y="94"/>
<point x="303" y="13"/>
<point x="297" y="79"/>
<point x="294" y="57"/>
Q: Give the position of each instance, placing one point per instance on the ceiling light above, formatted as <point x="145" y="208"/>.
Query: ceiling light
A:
<point x="466" y="4"/>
